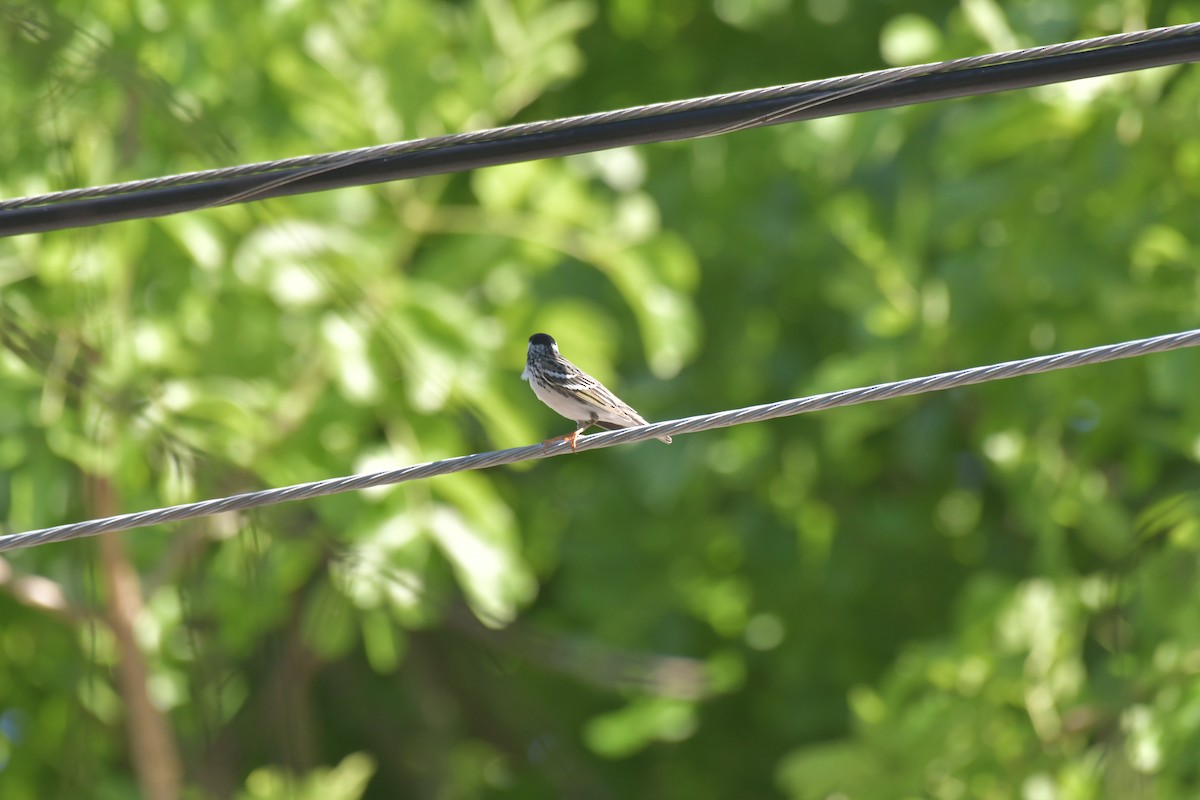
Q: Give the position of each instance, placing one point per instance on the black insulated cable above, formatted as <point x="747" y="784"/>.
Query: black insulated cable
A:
<point x="614" y="129"/>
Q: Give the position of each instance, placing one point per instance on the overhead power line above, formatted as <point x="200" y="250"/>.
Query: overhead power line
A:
<point x="704" y="422"/>
<point x="684" y="119"/>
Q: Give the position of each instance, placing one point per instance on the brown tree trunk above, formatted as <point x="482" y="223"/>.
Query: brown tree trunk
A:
<point x="152" y="746"/>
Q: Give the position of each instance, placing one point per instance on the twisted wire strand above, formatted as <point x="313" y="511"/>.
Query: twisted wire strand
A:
<point x="830" y="89"/>
<point x="703" y="422"/>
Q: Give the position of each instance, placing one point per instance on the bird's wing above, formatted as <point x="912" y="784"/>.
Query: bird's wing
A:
<point x="619" y="412"/>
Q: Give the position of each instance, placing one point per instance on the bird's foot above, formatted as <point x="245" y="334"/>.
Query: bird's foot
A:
<point x="570" y="439"/>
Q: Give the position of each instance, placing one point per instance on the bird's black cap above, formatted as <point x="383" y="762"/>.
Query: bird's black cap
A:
<point x="544" y="339"/>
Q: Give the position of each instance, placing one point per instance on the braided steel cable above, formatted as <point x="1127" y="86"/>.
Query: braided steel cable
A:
<point x="703" y="422"/>
<point x="705" y="116"/>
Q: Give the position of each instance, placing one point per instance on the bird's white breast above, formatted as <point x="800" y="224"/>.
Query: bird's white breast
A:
<point x="569" y="407"/>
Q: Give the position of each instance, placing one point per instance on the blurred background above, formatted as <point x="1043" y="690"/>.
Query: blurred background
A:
<point x="983" y="593"/>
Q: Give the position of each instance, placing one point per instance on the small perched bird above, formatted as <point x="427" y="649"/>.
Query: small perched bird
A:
<point x="573" y="393"/>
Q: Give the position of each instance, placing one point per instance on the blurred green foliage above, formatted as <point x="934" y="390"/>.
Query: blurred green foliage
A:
<point x="987" y="593"/>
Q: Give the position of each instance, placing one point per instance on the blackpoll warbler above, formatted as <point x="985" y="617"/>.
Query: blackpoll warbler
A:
<point x="573" y="393"/>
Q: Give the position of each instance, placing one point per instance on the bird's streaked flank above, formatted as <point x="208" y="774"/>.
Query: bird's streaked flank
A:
<point x="573" y="393"/>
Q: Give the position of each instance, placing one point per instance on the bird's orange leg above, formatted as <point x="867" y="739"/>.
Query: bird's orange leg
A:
<point x="571" y="437"/>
